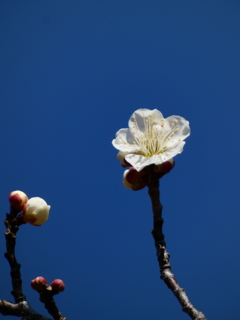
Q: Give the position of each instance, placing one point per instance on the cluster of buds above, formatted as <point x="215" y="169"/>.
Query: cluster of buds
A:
<point x="40" y="284"/>
<point x="137" y="180"/>
<point x="34" y="211"/>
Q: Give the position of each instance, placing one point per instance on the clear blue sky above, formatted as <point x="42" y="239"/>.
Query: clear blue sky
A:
<point x="72" y="73"/>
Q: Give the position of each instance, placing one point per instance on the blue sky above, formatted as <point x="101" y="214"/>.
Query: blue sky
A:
<point x="72" y="73"/>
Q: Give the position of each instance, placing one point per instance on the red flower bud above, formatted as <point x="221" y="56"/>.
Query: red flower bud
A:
<point x="57" y="286"/>
<point x="38" y="283"/>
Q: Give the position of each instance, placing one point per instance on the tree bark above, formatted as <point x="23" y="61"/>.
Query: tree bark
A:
<point x="163" y="257"/>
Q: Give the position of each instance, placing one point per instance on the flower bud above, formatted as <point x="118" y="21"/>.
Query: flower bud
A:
<point x="38" y="283"/>
<point x="36" y="211"/>
<point x="121" y="157"/>
<point x="134" y="180"/>
<point x="57" y="286"/>
<point x="17" y="200"/>
<point x="163" y="168"/>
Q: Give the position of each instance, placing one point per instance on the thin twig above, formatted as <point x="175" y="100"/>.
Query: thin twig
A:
<point x="10" y="236"/>
<point x="46" y="297"/>
<point x="163" y="257"/>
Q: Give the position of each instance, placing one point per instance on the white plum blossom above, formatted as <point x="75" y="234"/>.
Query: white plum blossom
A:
<point x="151" y="139"/>
<point x="36" y="211"/>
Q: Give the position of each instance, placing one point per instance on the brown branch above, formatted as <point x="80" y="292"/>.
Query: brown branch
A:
<point x="21" y="307"/>
<point x="10" y="236"/>
<point x="46" y="296"/>
<point x="163" y="257"/>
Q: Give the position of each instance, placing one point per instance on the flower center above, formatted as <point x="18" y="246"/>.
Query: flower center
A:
<point x="153" y="140"/>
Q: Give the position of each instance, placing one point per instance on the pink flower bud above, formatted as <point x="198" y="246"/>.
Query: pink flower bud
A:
<point x="17" y="200"/>
<point x="57" y="286"/>
<point x="38" y="283"/>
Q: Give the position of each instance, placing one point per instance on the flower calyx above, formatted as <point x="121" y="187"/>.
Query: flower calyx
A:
<point x="164" y="168"/>
<point x="135" y="180"/>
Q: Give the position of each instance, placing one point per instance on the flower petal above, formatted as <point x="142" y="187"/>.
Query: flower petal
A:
<point x="182" y="128"/>
<point x="139" y="162"/>
<point x="35" y="202"/>
<point x="141" y="115"/>
<point x="124" y="141"/>
<point x="173" y="150"/>
<point x="36" y="212"/>
<point x="42" y="215"/>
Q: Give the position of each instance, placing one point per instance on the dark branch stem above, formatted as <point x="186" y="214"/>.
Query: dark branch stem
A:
<point x="21" y="309"/>
<point x="46" y="297"/>
<point x="163" y="257"/>
<point x="10" y="235"/>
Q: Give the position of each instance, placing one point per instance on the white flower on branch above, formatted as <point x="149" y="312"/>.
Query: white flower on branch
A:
<point x="36" y="211"/>
<point x="151" y="139"/>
